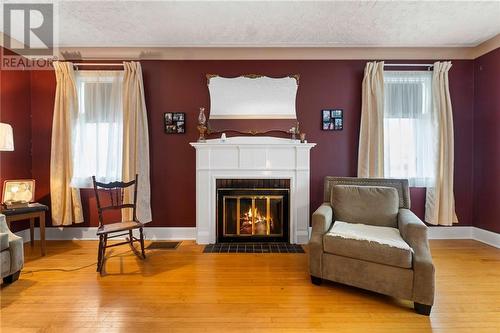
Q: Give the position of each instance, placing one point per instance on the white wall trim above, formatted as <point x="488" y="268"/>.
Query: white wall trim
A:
<point x="486" y="47"/>
<point x="264" y="53"/>
<point x="178" y="233"/>
<point x="25" y="234"/>
<point x="276" y="53"/>
<point x="89" y="233"/>
<point x="451" y="232"/>
<point x="478" y="234"/>
<point x="486" y="236"/>
<point x="342" y="52"/>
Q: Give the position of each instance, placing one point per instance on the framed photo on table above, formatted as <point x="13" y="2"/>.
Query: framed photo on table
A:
<point x="18" y="193"/>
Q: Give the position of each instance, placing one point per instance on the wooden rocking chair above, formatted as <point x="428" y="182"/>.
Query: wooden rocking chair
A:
<point x="115" y="190"/>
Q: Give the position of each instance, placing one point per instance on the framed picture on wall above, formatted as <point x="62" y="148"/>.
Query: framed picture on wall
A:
<point x="332" y="119"/>
<point x="175" y="122"/>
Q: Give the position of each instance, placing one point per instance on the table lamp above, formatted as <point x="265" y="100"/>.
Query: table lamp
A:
<point x="6" y="137"/>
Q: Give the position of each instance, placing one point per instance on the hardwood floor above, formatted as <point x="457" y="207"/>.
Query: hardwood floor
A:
<point x="186" y="290"/>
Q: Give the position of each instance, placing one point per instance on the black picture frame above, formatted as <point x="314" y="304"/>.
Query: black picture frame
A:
<point x="174" y="122"/>
<point x="332" y="119"/>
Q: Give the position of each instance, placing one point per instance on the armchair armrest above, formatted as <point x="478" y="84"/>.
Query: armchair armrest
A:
<point x="3" y="224"/>
<point x="4" y="229"/>
<point x="412" y="229"/>
<point x="4" y="241"/>
<point x="321" y="221"/>
<point x="15" y="245"/>
<point x="414" y="232"/>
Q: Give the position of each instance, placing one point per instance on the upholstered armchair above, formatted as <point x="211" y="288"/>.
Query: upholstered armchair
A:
<point x="11" y="253"/>
<point x="365" y="235"/>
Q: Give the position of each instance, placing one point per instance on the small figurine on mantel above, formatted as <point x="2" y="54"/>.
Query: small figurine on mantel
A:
<point x="303" y="138"/>
<point x="202" y="125"/>
<point x="295" y="131"/>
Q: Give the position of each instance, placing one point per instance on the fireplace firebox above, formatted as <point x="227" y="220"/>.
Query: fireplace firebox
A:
<point x="253" y="210"/>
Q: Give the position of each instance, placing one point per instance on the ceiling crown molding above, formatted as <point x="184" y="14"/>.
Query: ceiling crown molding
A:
<point x="262" y="53"/>
<point x="271" y="53"/>
<point x="486" y="47"/>
<point x="274" y="53"/>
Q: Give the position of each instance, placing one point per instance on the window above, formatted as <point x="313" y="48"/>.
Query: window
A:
<point x="98" y="129"/>
<point x="410" y="127"/>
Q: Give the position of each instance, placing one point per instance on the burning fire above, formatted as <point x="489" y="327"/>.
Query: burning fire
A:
<point x="256" y="218"/>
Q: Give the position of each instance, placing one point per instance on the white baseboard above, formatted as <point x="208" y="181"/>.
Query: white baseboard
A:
<point x="487" y="237"/>
<point x="451" y="232"/>
<point x="303" y="237"/>
<point x="179" y="233"/>
<point x="25" y="234"/>
<point x="89" y="233"/>
<point x="478" y="234"/>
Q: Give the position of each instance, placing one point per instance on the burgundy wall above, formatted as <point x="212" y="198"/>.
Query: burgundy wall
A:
<point x="181" y="86"/>
<point x="461" y="80"/>
<point x="15" y="110"/>
<point x="43" y="84"/>
<point x="487" y="141"/>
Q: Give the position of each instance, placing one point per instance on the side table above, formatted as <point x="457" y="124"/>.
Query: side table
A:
<point x="31" y="212"/>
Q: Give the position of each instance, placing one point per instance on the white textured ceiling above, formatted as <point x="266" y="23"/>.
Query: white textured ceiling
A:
<point x="277" y="23"/>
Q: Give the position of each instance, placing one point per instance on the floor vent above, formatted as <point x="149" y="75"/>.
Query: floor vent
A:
<point x="163" y="245"/>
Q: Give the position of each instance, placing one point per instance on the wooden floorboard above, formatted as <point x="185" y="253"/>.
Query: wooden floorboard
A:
<point x="185" y="290"/>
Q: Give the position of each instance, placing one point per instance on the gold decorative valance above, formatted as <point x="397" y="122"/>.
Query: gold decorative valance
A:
<point x="255" y="76"/>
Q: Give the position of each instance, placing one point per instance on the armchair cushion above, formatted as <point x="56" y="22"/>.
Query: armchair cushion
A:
<point x="373" y="205"/>
<point x="383" y="245"/>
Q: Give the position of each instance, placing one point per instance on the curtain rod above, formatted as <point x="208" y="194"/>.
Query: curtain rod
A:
<point x="120" y="64"/>
<point x="97" y="64"/>
<point x="409" y="65"/>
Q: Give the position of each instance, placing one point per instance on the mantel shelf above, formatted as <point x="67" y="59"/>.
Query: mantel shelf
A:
<point x="252" y="141"/>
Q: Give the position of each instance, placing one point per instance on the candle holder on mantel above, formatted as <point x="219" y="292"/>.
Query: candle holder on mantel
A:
<point x="202" y="125"/>
<point x="294" y="131"/>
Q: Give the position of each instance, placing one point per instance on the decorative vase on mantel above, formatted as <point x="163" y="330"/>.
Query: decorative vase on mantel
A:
<point x="202" y="125"/>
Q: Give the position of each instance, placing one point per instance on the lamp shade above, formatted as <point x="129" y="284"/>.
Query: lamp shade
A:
<point x="6" y="137"/>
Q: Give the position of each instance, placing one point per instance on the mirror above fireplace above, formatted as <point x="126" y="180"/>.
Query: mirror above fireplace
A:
<point x="252" y="104"/>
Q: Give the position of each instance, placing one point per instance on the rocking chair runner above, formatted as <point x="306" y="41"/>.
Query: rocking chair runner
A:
<point x="124" y="228"/>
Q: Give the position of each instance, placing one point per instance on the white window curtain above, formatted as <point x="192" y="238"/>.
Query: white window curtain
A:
<point x="410" y="127"/>
<point x="66" y="206"/>
<point x="98" y="132"/>
<point x="136" y="141"/>
<point x="371" y="134"/>
<point x="440" y="199"/>
<point x="407" y="132"/>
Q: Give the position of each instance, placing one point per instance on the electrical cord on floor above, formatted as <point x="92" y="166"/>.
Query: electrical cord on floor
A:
<point x="23" y="272"/>
<point x="78" y="268"/>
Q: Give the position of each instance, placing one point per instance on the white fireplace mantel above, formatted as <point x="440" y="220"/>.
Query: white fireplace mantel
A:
<point x="252" y="158"/>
